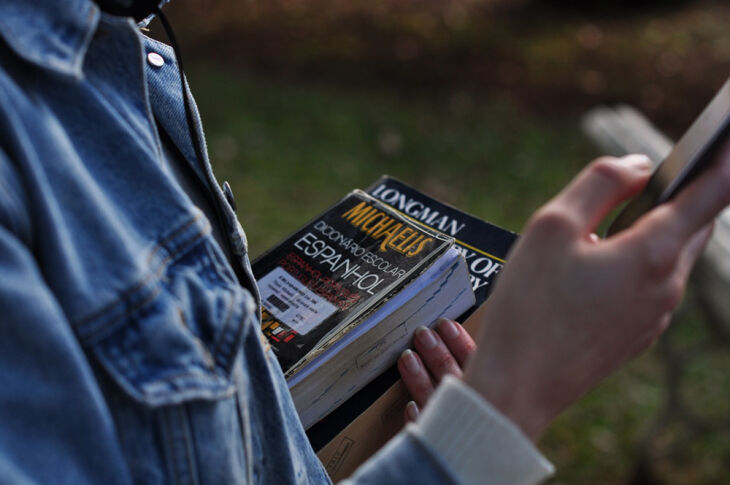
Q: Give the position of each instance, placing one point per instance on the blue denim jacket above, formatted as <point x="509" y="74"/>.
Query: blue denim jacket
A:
<point x="129" y="350"/>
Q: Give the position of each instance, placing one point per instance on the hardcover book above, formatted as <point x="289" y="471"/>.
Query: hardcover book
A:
<point x="342" y="295"/>
<point x="358" y="427"/>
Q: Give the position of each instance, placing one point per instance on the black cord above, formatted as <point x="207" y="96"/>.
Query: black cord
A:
<point x="185" y="94"/>
<point x="194" y="134"/>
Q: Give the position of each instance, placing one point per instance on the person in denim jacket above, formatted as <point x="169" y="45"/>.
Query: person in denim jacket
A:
<point x="130" y="350"/>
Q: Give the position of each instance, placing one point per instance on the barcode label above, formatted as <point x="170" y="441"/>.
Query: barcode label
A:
<point x="276" y="301"/>
<point x="292" y="303"/>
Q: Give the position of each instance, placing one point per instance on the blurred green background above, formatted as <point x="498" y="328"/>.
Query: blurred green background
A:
<point x="476" y="102"/>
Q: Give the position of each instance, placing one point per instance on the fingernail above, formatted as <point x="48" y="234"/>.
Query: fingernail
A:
<point x="426" y="338"/>
<point x="448" y="328"/>
<point x="636" y="160"/>
<point x="412" y="410"/>
<point x="410" y="361"/>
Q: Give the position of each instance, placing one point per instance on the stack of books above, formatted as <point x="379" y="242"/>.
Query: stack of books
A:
<point x="343" y="295"/>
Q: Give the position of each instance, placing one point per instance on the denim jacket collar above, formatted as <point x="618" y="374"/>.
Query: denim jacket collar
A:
<point x="51" y="34"/>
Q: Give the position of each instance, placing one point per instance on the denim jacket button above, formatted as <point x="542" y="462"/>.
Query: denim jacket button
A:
<point x="229" y="195"/>
<point x="155" y="60"/>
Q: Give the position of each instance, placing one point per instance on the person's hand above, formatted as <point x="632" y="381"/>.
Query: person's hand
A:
<point x="569" y="308"/>
<point x="443" y="350"/>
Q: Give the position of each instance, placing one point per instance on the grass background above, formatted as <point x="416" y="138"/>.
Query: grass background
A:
<point x="291" y="149"/>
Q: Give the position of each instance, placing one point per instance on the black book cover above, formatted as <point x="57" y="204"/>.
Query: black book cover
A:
<point x="483" y="245"/>
<point x="333" y="272"/>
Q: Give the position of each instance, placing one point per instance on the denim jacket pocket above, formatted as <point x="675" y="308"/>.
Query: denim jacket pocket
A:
<point x="174" y="335"/>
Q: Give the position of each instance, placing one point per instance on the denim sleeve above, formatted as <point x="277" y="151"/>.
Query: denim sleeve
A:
<point x="54" y="424"/>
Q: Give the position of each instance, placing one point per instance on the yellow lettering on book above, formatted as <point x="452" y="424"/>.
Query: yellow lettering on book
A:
<point x="409" y="242"/>
<point x="388" y="234"/>
<point x="358" y="214"/>
<point x="378" y="225"/>
<point x="381" y="225"/>
<point x="365" y="225"/>
<point x="402" y="235"/>
<point x="419" y="248"/>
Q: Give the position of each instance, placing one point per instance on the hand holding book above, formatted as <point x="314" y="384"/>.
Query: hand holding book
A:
<point x="570" y="308"/>
<point x="441" y="351"/>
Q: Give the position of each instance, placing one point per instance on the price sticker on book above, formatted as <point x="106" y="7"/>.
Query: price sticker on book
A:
<point x="292" y="303"/>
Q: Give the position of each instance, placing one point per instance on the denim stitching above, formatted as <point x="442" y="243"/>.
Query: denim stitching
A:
<point x="155" y="274"/>
<point x="154" y="293"/>
<point x="170" y="378"/>
<point x="225" y="344"/>
<point x="222" y="350"/>
<point x="136" y="286"/>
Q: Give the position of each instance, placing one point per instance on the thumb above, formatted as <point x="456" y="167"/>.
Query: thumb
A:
<point x="601" y="186"/>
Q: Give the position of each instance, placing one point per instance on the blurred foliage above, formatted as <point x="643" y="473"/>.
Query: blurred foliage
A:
<point x="476" y="102"/>
<point x="554" y="61"/>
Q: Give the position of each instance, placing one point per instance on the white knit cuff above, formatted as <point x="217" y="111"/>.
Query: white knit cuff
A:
<point x="475" y="441"/>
